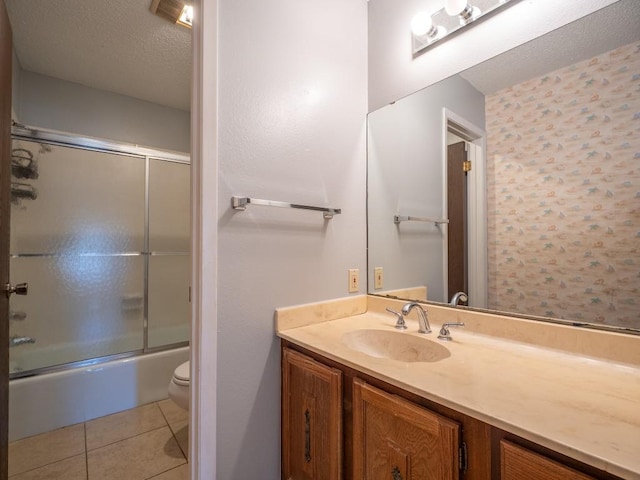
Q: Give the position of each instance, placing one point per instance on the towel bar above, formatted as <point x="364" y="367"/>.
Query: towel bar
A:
<point x="409" y="218"/>
<point x="240" y="203"/>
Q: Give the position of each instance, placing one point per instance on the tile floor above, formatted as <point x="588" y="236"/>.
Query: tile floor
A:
<point x="148" y="442"/>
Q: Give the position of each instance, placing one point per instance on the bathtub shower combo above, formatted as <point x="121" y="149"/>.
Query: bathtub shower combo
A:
<point x="101" y="234"/>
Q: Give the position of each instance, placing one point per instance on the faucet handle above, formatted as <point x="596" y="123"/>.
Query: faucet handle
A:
<point x="400" y="323"/>
<point x="444" y="331"/>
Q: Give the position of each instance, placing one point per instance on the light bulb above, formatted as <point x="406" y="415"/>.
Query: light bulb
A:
<point x="421" y="24"/>
<point x="455" y="7"/>
<point x="462" y="9"/>
<point x="186" y="17"/>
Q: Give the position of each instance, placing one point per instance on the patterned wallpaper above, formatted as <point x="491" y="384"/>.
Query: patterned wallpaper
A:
<point x="564" y="192"/>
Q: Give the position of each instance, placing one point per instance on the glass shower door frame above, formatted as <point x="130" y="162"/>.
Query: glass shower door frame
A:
<point x="20" y="132"/>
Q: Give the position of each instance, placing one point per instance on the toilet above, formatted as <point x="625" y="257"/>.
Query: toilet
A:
<point x="179" y="386"/>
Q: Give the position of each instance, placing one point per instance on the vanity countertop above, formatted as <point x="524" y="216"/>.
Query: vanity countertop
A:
<point x="585" y="407"/>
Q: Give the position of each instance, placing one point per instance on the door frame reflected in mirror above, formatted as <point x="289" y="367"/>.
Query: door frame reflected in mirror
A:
<point x="476" y="199"/>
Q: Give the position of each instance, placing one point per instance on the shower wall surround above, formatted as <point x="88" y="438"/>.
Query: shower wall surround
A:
<point x="564" y="192"/>
<point x="100" y="282"/>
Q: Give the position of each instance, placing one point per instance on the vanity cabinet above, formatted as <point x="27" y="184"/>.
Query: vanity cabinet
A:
<point x="518" y="463"/>
<point x="398" y="440"/>
<point x="311" y="419"/>
<point x="339" y="423"/>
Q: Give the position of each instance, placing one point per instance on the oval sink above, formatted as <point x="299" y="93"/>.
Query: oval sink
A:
<point x="395" y="345"/>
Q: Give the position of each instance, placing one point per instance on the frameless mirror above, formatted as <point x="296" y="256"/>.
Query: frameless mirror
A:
<point x="517" y="180"/>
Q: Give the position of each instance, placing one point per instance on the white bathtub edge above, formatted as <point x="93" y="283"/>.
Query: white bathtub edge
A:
<point x="46" y="402"/>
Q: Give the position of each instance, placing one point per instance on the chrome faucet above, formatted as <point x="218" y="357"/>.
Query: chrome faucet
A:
<point x="400" y="323"/>
<point x="444" y="331"/>
<point x="423" y="321"/>
<point x="15" y="341"/>
<point x="457" y="298"/>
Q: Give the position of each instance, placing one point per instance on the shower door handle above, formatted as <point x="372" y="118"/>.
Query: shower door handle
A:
<point x="18" y="289"/>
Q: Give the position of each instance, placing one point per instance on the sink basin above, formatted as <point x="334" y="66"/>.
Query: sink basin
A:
<point x="395" y="345"/>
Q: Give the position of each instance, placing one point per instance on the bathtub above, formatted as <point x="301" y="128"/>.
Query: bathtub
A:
<point x="53" y="400"/>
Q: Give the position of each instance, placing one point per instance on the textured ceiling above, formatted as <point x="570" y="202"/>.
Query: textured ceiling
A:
<point x="120" y="46"/>
<point x="599" y="32"/>
<point x="113" y="45"/>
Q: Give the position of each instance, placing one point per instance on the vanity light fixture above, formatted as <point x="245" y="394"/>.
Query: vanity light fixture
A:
<point x="176" y="11"/>
<point x="427" y="29"/>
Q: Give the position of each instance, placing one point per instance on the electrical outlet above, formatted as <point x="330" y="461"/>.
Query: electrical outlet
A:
<point x="378" y="278"/>
<point x="354" y="280"/>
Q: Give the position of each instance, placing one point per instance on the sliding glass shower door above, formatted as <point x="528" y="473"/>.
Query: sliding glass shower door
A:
<point x="169" y="247"/>
<point x="80" y="237"/>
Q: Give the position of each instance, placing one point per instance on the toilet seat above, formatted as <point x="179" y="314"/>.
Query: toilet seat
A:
<point x="179" y="386"/>
<point x="181" y="374"/>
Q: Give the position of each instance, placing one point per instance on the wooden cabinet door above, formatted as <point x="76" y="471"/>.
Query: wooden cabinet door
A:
<point x="394" y="439"/>
<point x="311" y="419"/>
<point x="517" y="463"/>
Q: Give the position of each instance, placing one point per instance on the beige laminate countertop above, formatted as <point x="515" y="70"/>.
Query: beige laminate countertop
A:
<point x="585" y="408"/>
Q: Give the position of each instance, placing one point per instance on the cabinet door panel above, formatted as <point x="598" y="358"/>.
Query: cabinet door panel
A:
<point x="394" y="439"/>
<point x="311" y="419"/>
<point x="517" y="463"/>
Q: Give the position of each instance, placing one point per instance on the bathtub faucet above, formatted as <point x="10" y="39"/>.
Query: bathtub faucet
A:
<point x="15" y="341"/>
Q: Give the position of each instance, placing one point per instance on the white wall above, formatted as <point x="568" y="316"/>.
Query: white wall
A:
<point x="292" y="105"/>
<point x="405" y="175"/>
<point x="51" y="103"/>
<point x="394" y="73"/>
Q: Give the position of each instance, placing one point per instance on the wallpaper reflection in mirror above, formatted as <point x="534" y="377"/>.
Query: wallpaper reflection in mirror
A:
<point x="563" y="172"/>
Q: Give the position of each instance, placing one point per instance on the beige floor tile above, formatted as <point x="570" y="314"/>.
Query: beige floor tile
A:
<point x="181" y="432"/>
<point x="180" y="473"/>
<point x="136" y="458"/>
<point x="113" y="428"/>
<point x="172" y="412"/>
<point x="74" y="468"/>
<point x="39" y="450"/>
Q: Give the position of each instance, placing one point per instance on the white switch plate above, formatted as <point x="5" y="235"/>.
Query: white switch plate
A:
<point x="354" y="280"/>
<point x="378" y="278"/>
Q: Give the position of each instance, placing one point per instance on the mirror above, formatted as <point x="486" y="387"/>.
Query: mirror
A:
<point x="550" y="222"/>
